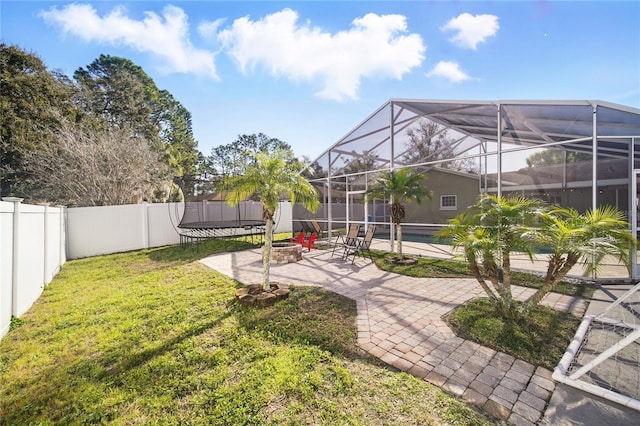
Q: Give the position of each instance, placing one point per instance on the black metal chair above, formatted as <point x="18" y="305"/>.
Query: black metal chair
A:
<point x="361" y="247"/>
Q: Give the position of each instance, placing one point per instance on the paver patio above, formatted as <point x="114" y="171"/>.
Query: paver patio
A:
<point x="399" y="321"/>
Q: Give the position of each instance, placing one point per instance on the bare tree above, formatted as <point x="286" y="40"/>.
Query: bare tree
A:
<point x="366" y="161"/>
<point x="430" y="142"/>
<point x="93" y="166"/>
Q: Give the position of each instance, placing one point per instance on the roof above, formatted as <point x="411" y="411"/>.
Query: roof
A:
<point x="610" y="170"/>
<point x="515" y="124"/>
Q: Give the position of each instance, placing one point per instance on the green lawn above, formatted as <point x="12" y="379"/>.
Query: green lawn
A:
<point x="540" y="338"/>
<point x="154" y="337"/>
<point x="427" y="267"/>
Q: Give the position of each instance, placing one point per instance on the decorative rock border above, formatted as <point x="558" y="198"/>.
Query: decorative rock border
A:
<point x="254" y="295"/>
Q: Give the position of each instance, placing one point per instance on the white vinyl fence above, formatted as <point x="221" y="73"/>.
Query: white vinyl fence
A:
<point x="92" y="231"/>
<point x="32" y="251"/>
<point x="35" y="241"/>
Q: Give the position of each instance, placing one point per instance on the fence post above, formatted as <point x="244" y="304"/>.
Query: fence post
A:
<point x="145" y="225"/>
<point x="62" y="253"/>
<point x="45" y="240"/>
<point x="14" y="260"/>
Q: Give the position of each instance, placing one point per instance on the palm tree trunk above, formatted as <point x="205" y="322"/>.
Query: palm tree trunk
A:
<point x="266" y="254"/>
<point x="475" y="270"/>
<point x="556" y="271"/>
<point x="491" y="270"/>
<point x="506" y="278"/>
<point x="399" y="238"/>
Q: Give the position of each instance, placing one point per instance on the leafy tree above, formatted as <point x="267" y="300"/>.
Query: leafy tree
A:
<point x="90" y="165"/>
<point x="39" y="109"/>
<point x="488" y="233"/>
<point x="181" y="148"/>
<point x="399" y="187"/>
<point x="121" y="94"/>
<point x="430" y="142"/>
<point x="233" y="159"/>
<point x="495" y="227"/>
<point x="31" y="101"/>
<point x="271" y="176"/>
<point x="553" y="156"/>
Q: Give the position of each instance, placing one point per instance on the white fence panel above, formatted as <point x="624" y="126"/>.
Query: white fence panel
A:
<point x="30" y="257"/>
<point x="94" y="231"/>
<point x="31" y="253"/>
<point x="55" y="250"/>
<point x="6" y="265"/>
<point x="284" y="217"/>
<point x="163" y="220"/>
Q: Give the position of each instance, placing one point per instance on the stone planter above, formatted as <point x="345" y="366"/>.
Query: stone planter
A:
<point x="254" y="295"/>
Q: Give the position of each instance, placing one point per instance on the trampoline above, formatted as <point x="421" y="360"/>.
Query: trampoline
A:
<point x="212" y="220"/>
<point x="196" y="231"/>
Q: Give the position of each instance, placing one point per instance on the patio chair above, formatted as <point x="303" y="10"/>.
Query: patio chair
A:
<point x="318" y="229"/>
<point x="362" y="246"/>
<point x="308" y="229"/>
<point x="299" y="239"/>
<point x="309" y="243"/>
<point x="349" y="240"/>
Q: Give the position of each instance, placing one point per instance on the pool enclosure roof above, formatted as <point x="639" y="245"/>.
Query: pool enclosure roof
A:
<point x="490" y="126"/>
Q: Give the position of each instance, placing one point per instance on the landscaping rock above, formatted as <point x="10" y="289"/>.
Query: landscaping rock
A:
<point x="266" y="299"/>
<point x="254" y="295"/>
<point x="247" y="299"/>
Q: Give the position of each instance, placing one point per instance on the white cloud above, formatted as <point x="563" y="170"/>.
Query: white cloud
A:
<point x="209" y="29"/>
<point x="472" y="29"/>
<point x="164" y="36"/>
<point x="373" y="47"/>
<point x="450" y="71"/>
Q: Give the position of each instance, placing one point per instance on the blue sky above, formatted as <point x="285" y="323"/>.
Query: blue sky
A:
<point x="308" y="72"/>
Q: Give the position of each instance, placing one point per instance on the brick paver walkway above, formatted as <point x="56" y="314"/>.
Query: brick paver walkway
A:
<point x="399" y="321"/>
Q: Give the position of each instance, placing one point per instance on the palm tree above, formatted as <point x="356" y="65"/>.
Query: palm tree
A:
<point x="489" y="232"/>
<point x="273" y="176"/>
<point x="495" y="227"/>
<point x="588" y="238"/>
<point x="399" y="187"/>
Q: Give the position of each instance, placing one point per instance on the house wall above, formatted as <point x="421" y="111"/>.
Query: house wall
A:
<point x="579" y="198"/>
<point x="32" y="240"/>
<point x="465" y="188"/>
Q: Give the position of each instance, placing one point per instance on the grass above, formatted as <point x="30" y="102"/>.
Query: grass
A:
<point x="155" y="337"/>
<point x="427" y="267"/>
<point x="540" y="338"/>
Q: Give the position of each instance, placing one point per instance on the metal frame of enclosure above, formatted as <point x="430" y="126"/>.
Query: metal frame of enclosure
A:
<point x="581" y="154"/>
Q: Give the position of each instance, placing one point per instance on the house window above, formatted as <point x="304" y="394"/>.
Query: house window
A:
<point x="448" y="202"/>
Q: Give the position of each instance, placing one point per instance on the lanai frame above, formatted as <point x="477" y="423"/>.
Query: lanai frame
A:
<point x="488" y="137"/>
